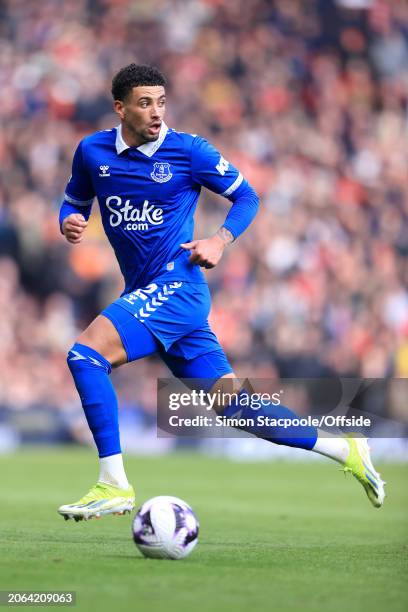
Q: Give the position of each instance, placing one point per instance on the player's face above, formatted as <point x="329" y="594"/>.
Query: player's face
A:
<point x="142" y="113"/>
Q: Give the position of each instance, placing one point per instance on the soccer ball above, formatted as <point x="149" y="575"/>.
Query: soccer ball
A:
<point x="165" y="528"/>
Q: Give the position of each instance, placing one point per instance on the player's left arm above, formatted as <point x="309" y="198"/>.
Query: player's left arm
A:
<point x="211" y="170"/>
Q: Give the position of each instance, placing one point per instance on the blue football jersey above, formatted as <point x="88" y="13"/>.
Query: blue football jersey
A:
<point x="147" y="197"/>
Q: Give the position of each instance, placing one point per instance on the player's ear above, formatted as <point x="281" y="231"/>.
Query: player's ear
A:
<point x="119" y="108"/>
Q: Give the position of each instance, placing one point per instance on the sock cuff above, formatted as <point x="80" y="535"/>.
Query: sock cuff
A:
<point x="82" y="351"/>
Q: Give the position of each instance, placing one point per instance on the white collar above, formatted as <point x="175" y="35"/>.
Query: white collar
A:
<point x="148" y="148"/>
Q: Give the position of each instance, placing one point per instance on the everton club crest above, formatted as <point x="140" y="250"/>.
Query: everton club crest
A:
<point x="161" y="172"/>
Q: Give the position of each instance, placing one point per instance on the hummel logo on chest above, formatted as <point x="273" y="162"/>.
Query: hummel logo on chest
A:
<point x="104" y="171"/>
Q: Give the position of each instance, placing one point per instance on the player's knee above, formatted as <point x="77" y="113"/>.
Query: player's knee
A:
<point x="81" y="357"/>
<point x="226" y="388"/>
<point x="102" y="337"/>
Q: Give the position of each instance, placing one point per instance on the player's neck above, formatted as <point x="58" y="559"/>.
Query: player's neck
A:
<point x="131" y="138"/>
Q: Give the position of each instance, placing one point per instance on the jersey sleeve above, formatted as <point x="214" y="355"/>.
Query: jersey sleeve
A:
<point x="210" y="169"/>
<point x="79" y="192"/>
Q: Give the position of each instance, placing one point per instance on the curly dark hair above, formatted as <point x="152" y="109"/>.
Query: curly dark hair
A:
<point x="133" y="76"/>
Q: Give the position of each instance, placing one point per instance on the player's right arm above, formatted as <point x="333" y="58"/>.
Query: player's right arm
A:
<point x="77" y="204"/>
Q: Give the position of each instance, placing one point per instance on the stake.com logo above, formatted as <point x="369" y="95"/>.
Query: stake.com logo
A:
<point x="135" y="218"/>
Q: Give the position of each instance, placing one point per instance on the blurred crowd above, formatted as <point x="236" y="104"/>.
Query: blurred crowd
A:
<point x="308" y="99"/>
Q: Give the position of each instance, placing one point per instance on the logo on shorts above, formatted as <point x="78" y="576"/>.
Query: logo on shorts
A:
<point x="148" y="299"/>
<point x="161" y="172"/>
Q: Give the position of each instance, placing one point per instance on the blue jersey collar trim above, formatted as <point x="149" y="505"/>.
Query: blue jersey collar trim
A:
<point x="149" y="148"/>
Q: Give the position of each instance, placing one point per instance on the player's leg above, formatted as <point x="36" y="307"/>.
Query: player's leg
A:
<point x="111" y="339"/>
<point x="217" y="376"/>
<point x="351" y="451"/>
<point x="90" y="360"/>
<point x="214" y="374"/>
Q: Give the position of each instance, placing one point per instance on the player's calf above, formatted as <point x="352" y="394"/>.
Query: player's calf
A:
<point x="90" y="371"/>
<point x="112" y="494"/>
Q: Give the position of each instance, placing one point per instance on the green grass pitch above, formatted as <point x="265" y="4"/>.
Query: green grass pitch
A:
<point x="274" y="536"/>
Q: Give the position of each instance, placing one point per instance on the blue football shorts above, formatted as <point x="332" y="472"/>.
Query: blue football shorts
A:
<point x="171" y="319"/>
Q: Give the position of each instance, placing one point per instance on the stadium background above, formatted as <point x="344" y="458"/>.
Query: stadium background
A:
<point x="308" y="99"/>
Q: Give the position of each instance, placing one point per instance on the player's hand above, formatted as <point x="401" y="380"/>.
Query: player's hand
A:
<point x="206" y="253"/>
<point x="73" y="227"/>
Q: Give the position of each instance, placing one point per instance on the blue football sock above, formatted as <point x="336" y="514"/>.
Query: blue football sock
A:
<point x="91" y="375"/>
<point x="289" y="432"/>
